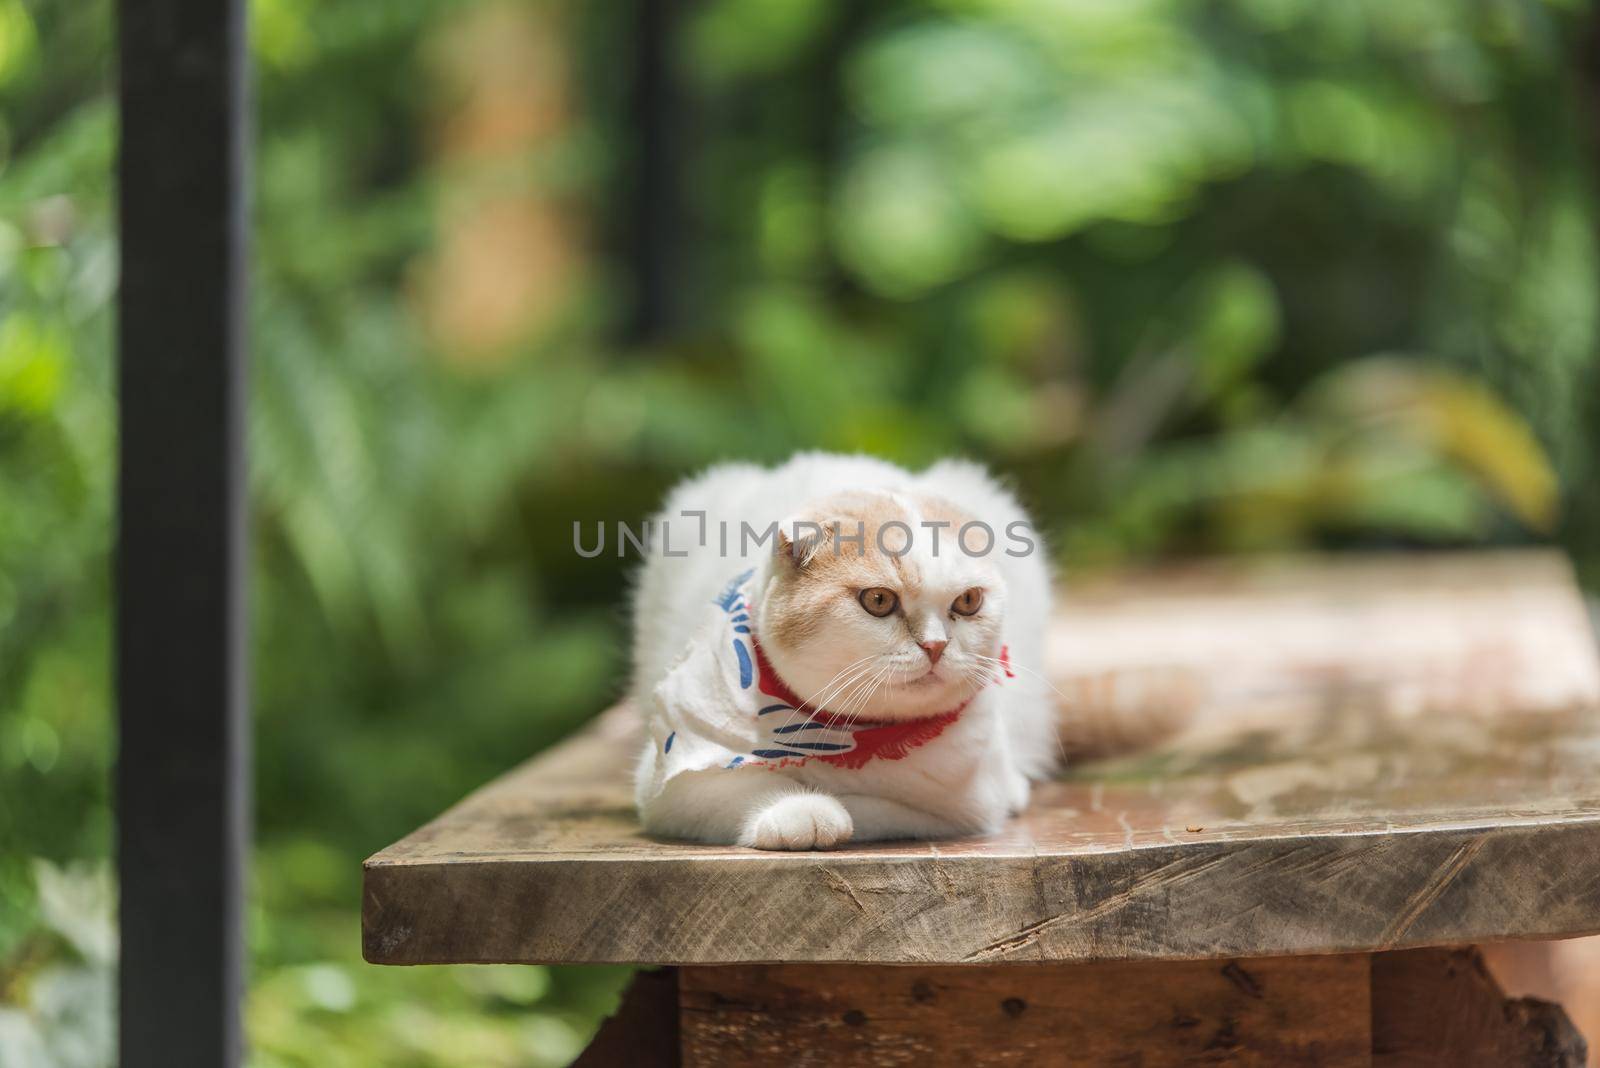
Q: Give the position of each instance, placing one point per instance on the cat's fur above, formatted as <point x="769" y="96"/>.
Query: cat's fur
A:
<point x="812" y="628"/>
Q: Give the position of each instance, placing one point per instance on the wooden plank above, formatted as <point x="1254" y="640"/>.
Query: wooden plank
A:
<point x="1429" y="1008"/>
<point x="1332" y="819"/>
<point x="1438" y="1008"/>
<point x="1277" y="1012"/>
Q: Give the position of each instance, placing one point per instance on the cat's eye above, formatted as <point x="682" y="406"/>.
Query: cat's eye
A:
<point x="968" y="603"/>
<point x="879" y="601"/>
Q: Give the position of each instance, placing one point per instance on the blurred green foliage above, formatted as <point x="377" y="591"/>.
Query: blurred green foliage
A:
<point x="1199" y="276"/>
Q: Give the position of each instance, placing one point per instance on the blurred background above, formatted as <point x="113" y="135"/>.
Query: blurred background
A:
<point x="1201" y="276"/>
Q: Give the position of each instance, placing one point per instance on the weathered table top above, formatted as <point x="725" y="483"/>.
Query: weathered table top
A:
<point x="1315" y="802"/>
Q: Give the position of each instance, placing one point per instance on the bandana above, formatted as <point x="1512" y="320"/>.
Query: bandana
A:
<point x="723" y="705"/>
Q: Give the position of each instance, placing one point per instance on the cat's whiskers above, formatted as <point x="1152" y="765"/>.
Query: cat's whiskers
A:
<point x="864" y="694"/>
<point x="1014" y="666"/>
<point x="831" y="689"/>
<point x="865" y="700"/>
<point x="977" y="676"/>
<point x="851" y="698"/>
<point x="836" y="686"/>
<point x="877" y="685"/>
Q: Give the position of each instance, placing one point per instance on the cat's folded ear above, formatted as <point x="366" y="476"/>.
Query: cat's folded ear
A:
<point x="801" y="540"/>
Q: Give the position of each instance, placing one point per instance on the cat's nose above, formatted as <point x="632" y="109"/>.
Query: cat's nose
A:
<point x="934" y="650"/>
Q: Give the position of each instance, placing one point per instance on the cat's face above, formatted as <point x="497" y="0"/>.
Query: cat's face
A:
<point x="862" y="632"/>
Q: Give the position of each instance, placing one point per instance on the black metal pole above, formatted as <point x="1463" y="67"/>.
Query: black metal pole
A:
<point x="182" y="791"/>
<point x="656" y="240"/>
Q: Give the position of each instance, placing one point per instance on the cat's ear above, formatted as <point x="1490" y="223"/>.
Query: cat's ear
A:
<point x="799" y="542"/>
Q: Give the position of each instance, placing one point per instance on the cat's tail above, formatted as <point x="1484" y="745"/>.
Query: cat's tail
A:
<point x="1122" y="711"/>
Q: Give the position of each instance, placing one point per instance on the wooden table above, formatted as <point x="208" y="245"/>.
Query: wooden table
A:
<point x="1367" y="760"/>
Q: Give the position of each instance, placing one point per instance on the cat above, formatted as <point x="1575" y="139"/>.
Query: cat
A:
<point x="869" y="671"/>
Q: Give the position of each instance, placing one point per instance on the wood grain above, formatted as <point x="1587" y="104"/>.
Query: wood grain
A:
<point x="1338" y="813"/>
<point x="1428" y="1008"/>
<point x="1279" y="1012"/>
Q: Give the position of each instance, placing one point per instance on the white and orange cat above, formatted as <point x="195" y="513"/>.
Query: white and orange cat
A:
<point x="869" y="672"/>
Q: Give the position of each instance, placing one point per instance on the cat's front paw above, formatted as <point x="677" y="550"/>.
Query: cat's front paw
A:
<point x="798" y="821"/>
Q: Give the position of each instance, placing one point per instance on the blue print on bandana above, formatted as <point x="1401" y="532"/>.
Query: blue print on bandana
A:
<point x="731" y="600"/>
